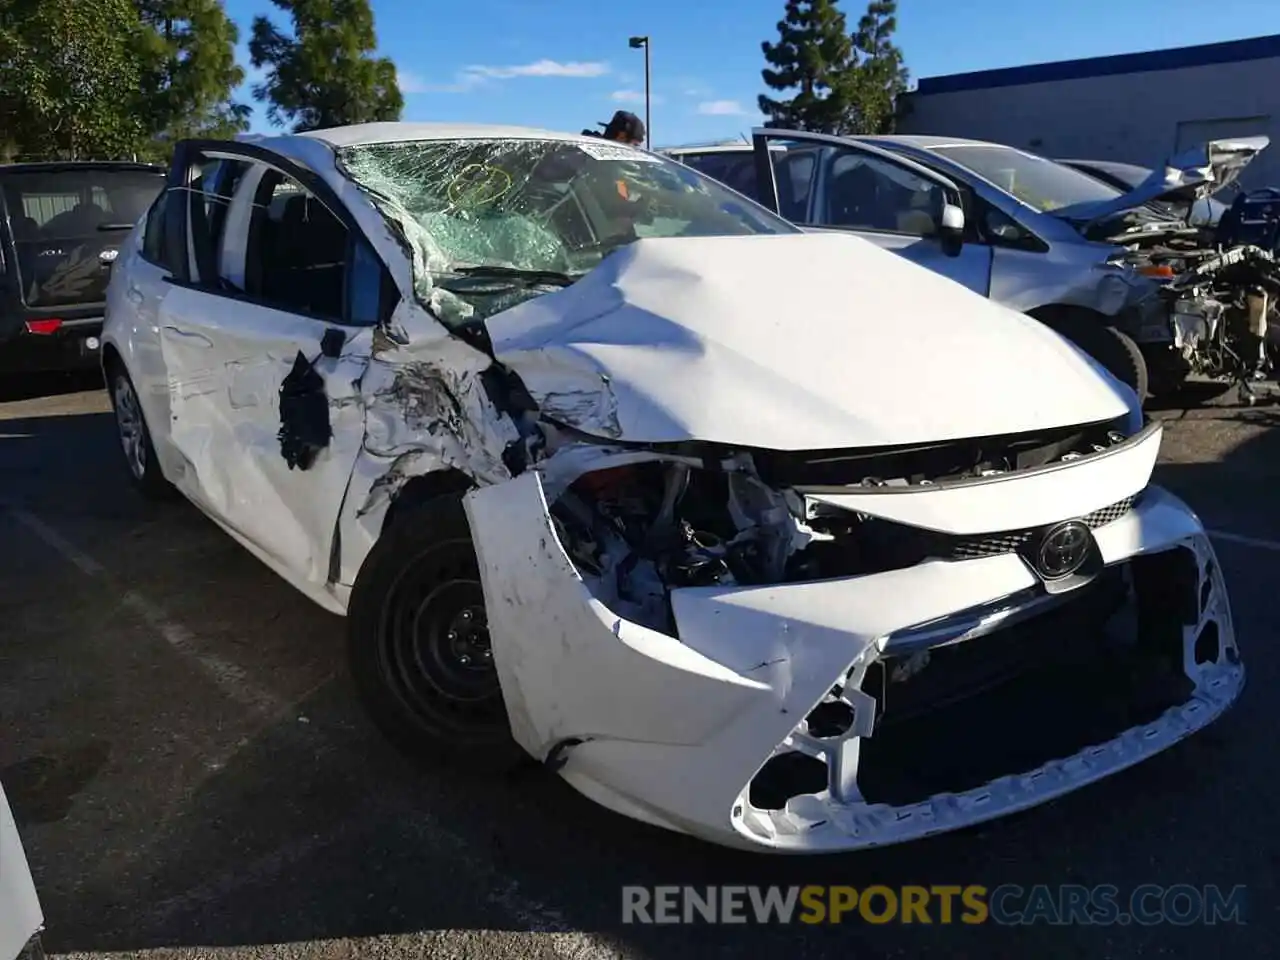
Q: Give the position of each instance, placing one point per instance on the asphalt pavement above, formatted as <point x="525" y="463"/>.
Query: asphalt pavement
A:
<point x="191" y="774"/>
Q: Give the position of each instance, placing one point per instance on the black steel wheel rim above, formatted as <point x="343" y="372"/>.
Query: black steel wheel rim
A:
<point x="434" y="648"/>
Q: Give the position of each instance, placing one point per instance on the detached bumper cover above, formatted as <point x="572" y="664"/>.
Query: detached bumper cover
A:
<point x="20" y="916"/>
<point x="674" y="731"/>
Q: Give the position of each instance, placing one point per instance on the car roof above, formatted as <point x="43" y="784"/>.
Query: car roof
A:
<point x="727" y="146"/>
<point x="370" y="133"/>
<point x="61" y="166"/>
<point x="886" y="140"/>
<point x="929" y="142"/>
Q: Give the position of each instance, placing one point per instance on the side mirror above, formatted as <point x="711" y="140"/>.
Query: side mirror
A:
<point x="951" y="229"/>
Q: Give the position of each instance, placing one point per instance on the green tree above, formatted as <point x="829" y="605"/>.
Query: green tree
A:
<point x="189" y="70"/>
<point x="324" y="74"/>
<point x="813" y="56"/>
<point x="69" y="76"/>
<point x="880" y="76"/>
<point x="844" y="84"/>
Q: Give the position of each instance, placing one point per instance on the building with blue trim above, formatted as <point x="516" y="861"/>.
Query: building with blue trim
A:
<point x="1134" y="107"/>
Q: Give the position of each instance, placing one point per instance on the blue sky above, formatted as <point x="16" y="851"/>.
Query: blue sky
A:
<point x="565" y="64"/>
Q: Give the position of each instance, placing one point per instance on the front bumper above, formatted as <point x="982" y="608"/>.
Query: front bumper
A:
<point x="75" y="346"/>
<point x="682" y="732"/>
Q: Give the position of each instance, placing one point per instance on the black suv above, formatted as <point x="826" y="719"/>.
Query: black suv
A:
<point x="61" y="226"/>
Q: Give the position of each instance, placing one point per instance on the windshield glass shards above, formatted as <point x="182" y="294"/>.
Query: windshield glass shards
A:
<point x="492" y="222"/>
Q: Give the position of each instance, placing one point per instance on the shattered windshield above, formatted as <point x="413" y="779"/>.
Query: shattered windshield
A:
<point x="493" y="222"/>
<point x="1039" y="183"/>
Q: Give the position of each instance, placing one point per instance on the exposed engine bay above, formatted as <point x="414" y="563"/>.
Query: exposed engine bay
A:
<point x="1222" y="291"/>
<point x="1223" y="312"/>
<point x="640" y="529"/>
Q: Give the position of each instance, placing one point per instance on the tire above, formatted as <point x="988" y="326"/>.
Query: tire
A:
<point x="135" y="438"/>
<point x="1167" y="373"/>
<point x="418" y="643"/>
<point x="1110" y="346"/>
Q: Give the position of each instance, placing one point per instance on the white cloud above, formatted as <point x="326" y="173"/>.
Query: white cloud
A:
<point x="411" y="82"/>
<point x="721" y="108"/>
<point x="541" y="68"/>
<point x="632" y="96"/>
<point x="469" y="78"/>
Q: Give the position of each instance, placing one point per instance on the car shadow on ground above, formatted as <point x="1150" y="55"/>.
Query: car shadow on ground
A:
<point x="28" y="386"/>
<point x="313" y="828"/>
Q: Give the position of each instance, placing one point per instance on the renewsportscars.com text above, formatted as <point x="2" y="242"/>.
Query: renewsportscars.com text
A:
<point x="1007" y="904"/>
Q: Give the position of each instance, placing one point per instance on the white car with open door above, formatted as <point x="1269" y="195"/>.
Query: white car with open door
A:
<point x="610" y="466"/>
<point x="1037" y="235"/>
<point x="21" y="919"/>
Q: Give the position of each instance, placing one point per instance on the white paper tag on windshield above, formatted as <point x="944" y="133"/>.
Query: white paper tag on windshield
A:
<point x="604" y="150"/>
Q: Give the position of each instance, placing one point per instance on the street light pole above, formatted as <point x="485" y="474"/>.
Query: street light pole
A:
<point x="636" y="43"/>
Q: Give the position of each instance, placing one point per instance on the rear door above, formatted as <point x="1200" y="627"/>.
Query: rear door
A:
<point x="829" y="183"/>
<point x="67" y="226"/>
<point x="265" y="337"/>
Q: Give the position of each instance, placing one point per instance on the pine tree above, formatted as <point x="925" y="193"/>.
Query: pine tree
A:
<point x="844" y="84"/>
<point x="69" y="76"/>
<point x="324" y="75"/>
<point x="814" y="53"/>
<point x="190" y="70"/>
<point x="880" y="77"/>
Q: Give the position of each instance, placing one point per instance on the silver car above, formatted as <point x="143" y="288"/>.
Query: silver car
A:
<point x="1028" y="232"/>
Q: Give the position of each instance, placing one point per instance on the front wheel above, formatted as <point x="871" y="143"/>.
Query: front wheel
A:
<point x="1110" y="346"/>
<point x="418" y="642"/>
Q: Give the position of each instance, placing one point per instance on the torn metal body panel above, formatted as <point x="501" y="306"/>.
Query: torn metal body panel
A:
<point x="227" y="367"/>
<point x="589" y="484"/>
<point x="21" y="919"/>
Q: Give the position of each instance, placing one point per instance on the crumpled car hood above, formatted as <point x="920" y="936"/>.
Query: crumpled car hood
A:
<point x="1187" y="177"/>
<point x="791" y="342"/>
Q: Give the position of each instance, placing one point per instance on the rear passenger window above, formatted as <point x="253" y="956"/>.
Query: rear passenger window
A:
<point x="296" y="252"/>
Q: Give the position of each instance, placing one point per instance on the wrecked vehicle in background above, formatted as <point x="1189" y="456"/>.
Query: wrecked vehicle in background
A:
<point x="21" y="919"/>
<point x="1220" y="264"/>
<point x="1029" y="232"/>
<point x="609" y="466"/>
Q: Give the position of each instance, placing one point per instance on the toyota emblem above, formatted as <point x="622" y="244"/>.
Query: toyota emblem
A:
<point x="1063" y="550"/>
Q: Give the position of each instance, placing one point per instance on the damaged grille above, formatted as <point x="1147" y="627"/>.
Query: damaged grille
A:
<point x="943" y="546"/>
<point x="936" y="462"/>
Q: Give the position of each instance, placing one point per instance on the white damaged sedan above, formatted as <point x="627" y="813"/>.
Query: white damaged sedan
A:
<point x="769" y="537"/>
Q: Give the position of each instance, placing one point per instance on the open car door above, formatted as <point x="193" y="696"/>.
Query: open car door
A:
<point x="826" y="182"/>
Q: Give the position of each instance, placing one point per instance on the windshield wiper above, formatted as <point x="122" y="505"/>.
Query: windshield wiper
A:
<point x="115" y="226"/>
<point x="530" y="277"/>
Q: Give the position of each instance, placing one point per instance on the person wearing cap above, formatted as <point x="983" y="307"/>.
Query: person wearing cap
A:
<point x="625" y="127"/>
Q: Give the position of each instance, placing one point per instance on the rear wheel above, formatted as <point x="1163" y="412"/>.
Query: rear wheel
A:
<point x="1110" y="346"/>
<point x="135" y="439"/>
<point x="418" y="642"/>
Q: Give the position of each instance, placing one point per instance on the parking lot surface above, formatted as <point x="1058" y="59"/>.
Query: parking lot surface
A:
<point x="191" y="774"/>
